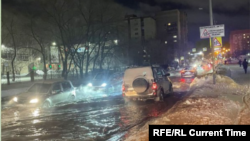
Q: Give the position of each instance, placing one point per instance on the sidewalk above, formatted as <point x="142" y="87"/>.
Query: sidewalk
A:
<point x="238" y="74"/>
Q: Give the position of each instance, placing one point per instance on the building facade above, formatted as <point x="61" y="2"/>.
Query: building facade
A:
<point x="172" y="31"/>
<point x="240" y="42"/>
<point x="142" y="30"/>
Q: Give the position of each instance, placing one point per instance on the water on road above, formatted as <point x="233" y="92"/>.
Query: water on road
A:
<point x="100" y="118"/>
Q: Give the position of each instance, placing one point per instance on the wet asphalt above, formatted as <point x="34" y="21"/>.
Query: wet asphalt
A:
<point x="102" y="118"/>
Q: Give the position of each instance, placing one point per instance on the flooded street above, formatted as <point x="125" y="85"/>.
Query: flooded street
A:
<point x="106" y="118"/>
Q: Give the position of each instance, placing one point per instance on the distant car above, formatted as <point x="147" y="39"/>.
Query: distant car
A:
<point x="46" y="94"/>
<point x="106" y="82"/>
<point x="147" y="82"/>
<point x="189" y="71"/>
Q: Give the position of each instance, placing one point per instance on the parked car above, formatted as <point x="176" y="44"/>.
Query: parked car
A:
<point x="147" y="82"/>
<point x="107" y="82"/>
<point x="46" y="94"/>
<point x="189" y="71"/>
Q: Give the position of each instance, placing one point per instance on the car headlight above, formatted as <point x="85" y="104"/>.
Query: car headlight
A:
<point x="33" y="100"/>
<point x="15" y="99"/>
<point x="90" y="84"/>
<point x="104" y="84"/>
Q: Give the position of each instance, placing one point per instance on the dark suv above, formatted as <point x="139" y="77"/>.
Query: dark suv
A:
<point x="148" y="82"/>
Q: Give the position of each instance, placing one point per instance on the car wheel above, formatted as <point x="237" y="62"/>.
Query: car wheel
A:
<point x="160" y="97"/>
<point x="171" y="90"/>
<point x="46" y="104"/>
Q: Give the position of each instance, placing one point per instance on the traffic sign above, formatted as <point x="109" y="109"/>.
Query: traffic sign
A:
<point x="194" y="50"/>
<point x="212" y="31"/>
<point x="217" y="42"/>
<point x="204" y="49"/>
<point x="182" y="58"/>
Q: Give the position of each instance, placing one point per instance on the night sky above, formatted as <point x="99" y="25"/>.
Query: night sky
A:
<point x="235" y="14"/>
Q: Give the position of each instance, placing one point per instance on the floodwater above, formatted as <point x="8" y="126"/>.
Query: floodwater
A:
<point x="100" y="118"/>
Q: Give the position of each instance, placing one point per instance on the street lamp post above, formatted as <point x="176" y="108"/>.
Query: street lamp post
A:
<point x="212" y="40"/>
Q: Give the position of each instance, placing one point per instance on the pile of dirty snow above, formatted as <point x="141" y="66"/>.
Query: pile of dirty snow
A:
<point x="220" y="80"/>
<point x="206" y="104"/>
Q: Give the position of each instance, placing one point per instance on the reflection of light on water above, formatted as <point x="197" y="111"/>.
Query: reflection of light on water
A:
<point x="35" y="121"/>
<point x="16" y="115"/>
<point x="35" y="113"/>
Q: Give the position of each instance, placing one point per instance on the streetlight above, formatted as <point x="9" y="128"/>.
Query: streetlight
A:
<point x="54" y="43"/>
<point x="116" y="42"/>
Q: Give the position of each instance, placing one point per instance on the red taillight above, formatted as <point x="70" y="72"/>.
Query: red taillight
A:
<point x="154" y="86"/>
<point x="182" y="80"/>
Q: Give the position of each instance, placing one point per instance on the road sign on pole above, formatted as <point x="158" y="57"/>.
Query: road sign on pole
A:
<point x="212" y="31"/>
<point x="217" y="42"/>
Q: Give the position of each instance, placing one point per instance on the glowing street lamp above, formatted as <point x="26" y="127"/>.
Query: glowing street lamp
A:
<point x="54" y="43"/>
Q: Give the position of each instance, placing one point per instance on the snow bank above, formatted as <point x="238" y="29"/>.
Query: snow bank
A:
<point x="221" y="81"/>
<point x="206" y="104"/>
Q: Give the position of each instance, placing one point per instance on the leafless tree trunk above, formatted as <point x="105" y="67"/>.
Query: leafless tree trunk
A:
<point x="12" y="34"/>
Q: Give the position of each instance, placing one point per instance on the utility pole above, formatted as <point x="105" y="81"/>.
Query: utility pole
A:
<point x="129" y="39"/>
<point x="212" y="39"/>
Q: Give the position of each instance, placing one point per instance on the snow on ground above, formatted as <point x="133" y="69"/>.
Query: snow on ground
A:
<point x="206" y="104"/>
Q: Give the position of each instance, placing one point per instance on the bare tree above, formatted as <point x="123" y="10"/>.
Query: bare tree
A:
<point x="36" y="29"/>
<point x="12" y="31"/>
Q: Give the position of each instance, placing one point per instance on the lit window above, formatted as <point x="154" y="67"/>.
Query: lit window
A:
<point x="247" y="36"/>
<point x="244" y="34"/>
<point x="248" y="42"/>
<point x="169" y="24"/>
<point x="174" y="36"/>
<point x="166" y="42"/>
<point x="175" y="40"/>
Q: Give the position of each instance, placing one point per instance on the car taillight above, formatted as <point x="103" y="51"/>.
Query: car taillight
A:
<point x="154" y="86"/>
